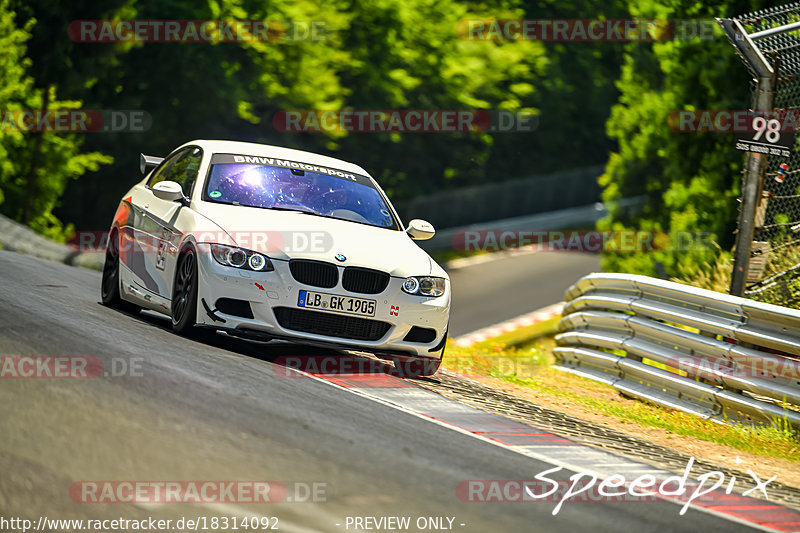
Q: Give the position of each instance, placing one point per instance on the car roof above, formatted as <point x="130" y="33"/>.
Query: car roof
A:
<point x="278" y="152"/>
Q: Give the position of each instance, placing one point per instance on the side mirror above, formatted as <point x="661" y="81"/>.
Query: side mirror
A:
<point x="420" y="230"/>
<point x="169" y="191"/>
<point x="148" y="161"/>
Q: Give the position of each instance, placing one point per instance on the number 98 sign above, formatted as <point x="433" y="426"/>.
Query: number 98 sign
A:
<point x="768" y="135"/>
<point x="772" y="127"/>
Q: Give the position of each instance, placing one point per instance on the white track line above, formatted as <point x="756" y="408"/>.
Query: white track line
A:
<point x="528" y="319"/>
<point x="533" y="452"/>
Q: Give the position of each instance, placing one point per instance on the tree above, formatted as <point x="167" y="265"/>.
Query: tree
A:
<point x="34" y="167"/>
<point x="409" y="55"/>
<point x="689" y="180"/>
<point x="377" y="54"/>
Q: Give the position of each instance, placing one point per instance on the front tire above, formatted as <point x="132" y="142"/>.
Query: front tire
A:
<point x="422" y="367"/>
<point x="184" y="293"/>
<point x="416" y="367"/>
<point x="109" y="286"/>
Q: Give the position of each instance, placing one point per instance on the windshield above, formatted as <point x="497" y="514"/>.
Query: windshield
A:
<point x="351" y="198"/>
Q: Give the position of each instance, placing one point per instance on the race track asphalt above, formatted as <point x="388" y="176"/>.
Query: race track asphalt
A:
<point x="223" y="409"/>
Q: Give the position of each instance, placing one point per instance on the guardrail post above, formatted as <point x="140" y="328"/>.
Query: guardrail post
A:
<point x="753" y="179"/>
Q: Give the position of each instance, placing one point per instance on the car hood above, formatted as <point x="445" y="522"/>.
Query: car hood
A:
<point x="285" y="235"/>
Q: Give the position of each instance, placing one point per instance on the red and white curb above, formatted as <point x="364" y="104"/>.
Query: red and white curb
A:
<point x="528" y="319"/>
<point x="549" y="448"/>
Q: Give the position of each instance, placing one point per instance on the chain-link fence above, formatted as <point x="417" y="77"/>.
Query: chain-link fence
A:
<point x="775" y="248"/>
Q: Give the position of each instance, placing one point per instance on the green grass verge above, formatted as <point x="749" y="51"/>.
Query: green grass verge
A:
<point x="523" y="357"/>
<point x="764" y="441"/>
<point x="527" y="336"/>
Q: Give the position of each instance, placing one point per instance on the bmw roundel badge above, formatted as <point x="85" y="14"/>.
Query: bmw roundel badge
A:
<point x="341" y="258"/>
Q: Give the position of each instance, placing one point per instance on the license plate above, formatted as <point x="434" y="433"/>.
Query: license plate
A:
<point x="336" y="303"/>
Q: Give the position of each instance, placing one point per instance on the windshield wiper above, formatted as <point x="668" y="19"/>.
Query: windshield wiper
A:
<point x="295" y="209"/>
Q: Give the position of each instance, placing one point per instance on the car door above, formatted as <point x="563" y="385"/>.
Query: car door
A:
<point x="158" y="230"/>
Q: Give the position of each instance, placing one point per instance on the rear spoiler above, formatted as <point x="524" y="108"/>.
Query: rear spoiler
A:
<point x="147" y="161"/>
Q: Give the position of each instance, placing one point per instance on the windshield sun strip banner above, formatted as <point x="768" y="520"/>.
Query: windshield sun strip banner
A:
<point x="244" y="159"/>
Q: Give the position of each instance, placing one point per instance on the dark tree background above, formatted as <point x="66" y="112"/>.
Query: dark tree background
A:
<point x="597" y="102"/>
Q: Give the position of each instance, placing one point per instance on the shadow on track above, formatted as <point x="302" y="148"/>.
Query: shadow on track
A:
<point x="293" y="358"/>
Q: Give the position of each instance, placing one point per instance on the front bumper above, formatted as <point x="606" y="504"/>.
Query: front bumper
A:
<point x="268" y="293"/>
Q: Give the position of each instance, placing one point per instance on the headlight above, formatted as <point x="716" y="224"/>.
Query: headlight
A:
<point x="424" y="285"/>
<point x="411" y="285"/>
<point x="257" y="262"/>
<point x="240" y="258"/>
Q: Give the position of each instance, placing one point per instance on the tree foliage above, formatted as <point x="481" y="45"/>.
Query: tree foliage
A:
<point x="690" y="181"/>
<point x="596" y="102"/>
<point x="31" y="186"/>
<point x="374" y="55"/>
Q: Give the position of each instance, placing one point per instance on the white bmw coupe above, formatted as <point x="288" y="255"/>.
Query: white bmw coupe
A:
<point x="267" y="243"/>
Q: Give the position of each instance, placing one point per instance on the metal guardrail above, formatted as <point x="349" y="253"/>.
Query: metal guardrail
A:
<point x="721" y="357"/>
<point x="505" y="199"/>
<point x="585" y="216"/>
<point x="19" y="238"/>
